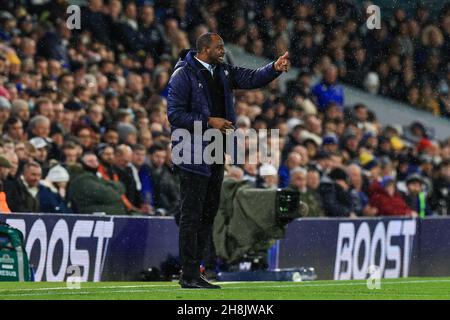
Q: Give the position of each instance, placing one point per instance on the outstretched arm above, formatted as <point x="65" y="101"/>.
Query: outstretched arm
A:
<point x="244" y="78"/>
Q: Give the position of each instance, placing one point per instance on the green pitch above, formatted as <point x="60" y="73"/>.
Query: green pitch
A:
<point x="410" y="288"/>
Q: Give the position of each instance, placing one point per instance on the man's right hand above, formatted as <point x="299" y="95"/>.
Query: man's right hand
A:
<point x="220" y="123"/>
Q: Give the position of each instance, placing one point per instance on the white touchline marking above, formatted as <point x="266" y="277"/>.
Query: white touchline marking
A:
<point x="102" y="287"/>
<point x="74" y="292"/>
<point x="200" y="290"/>
<point x="302" y="284"/>
<point x="176" y="286"/>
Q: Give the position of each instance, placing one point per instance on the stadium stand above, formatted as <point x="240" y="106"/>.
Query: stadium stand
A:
<point x="89" y="105"/>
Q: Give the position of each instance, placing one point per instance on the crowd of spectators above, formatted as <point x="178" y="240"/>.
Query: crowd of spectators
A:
<point x="407" y="59"/>
<point x="84" y="125"/>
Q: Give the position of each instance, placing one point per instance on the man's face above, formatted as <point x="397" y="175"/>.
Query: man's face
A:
<point x="414" y="187"/>
<point x="139" y="157"/>
<point x="354" y="176"/>
<point x="271" y="181"/>
<point x="14" y="160"/>
<point x="390" y="189"/>
<point x="313" y="179"/>
<point x="32" y="175"/>
<point x="148" y="14"/>
<point x="216" y="51"/>
<point x="15" y="131"/>
<point x="41" y="154"/>
<point x="330" y="75"/>
<point x="111" y="137"/>
<point x="67" y="83"/>
<point x="158" y="158"/>
<point x="108" y="155"/>
<point x="58" y="111"/>
<point x="4" y="172"/>
<point x="24" y="114"/>
<point x="124" y="158"/>
<point x="71" y="156"/>
<point x="4" y="114"/>
<point x="46" y="109"/>
<point x="445" y="172"/>
<point x="96" y="114"/>
<point x="299" y="181"/>
<point x="91" y="161"/>
<point x="42" y="129"/>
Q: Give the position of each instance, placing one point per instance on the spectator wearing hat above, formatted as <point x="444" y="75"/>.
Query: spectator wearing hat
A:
<point x="52" y="191"/>
<point x="268" y="177"/>
<point x="41" y="155"/>
<point x="388" y="200"/>
<point x="330" y="143"/>
<point x="5" y="167"/>
<point x="22" y="193"/>
<point x="334" y="190"/>
<point x="75" y="109"/>
<point x="415" y="197"/>
<point x="322" y="162"/>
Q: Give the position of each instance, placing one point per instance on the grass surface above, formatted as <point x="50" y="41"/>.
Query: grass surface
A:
<point x="392" y="289"/>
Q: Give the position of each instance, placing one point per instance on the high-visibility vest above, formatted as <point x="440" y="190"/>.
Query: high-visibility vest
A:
<point x="422" y="204"/>
<point x="3" y="204"/>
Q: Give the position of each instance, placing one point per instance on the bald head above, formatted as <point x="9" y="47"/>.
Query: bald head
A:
<point x="123" y="155"/>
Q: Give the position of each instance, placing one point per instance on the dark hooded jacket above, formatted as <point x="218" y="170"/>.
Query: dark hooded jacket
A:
<point x="189" y="99"/>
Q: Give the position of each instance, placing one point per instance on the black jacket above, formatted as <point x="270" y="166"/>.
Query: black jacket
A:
<point x="131" y="191"/>
<point x="18" y="197"/>
<point x="336" y="201"/>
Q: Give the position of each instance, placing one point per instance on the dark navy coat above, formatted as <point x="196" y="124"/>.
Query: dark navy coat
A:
<point x="189" y="99"/>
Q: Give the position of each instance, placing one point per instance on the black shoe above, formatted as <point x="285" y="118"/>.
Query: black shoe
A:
<point x="197" y="283"/>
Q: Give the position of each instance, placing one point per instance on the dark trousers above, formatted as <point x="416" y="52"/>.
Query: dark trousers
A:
<point x="200" y="197"/>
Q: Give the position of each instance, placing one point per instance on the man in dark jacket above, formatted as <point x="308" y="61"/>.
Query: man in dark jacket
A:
<point x="200" y="90"/>
<point x="22" y="193"/>
<point x="440" y="201"/>
<point x="415" y="197"/>
<point x="122" y="165"/>
<point x="335" y="192"/>
<point x="166" y="194"/>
